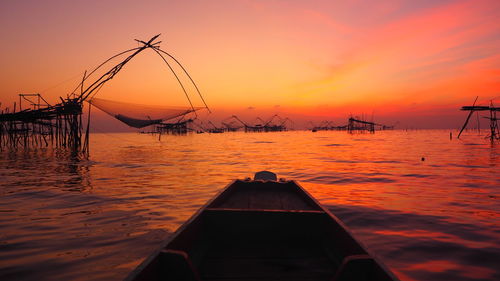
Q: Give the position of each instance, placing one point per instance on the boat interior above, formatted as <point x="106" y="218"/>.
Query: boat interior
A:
<point x="262" y="230"/>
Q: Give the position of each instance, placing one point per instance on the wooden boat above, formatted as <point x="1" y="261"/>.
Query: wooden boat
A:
<point x="262" y="229"/>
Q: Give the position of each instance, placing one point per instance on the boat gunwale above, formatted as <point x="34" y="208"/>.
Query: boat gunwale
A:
<point x="132" y="275"/>
<point x="374" y="256"/>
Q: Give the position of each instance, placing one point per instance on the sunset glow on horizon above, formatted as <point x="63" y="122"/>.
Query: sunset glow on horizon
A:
<point x="399" y="60"/>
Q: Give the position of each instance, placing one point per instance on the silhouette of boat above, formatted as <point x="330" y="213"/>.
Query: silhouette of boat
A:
<point x="262" y="229"/>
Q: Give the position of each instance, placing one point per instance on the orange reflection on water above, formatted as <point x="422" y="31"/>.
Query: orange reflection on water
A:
<point x="86" y="216"/>
<point x="438" y="236"/>
<point x="469" y="271"/>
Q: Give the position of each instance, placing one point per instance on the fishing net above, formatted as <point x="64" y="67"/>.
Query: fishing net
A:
<point x="138" y="115"/>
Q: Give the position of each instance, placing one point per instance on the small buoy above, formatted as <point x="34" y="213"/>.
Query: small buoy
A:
<point x="423" y="159"/>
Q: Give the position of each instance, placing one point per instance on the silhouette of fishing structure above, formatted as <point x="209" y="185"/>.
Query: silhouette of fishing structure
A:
<point x="180" y="127"/>
<point x="234" y="124"/>
<point x="44" y="124"/>
<point x="273" y="124"/>
<point x="231" y="125"/>
<point x="205" y="127"/>
<point x="494" y="134"/>
<point x="359" y="125"/>
<point x="326" y="125"/>
<point x="214" y="129"/>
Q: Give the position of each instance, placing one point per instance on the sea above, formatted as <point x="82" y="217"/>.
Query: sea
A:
<point x="427" y="205"/>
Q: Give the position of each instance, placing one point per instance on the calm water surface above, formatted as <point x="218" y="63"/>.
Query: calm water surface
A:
<point x="63" y="217"/>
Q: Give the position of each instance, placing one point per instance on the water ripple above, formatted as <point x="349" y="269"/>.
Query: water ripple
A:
<point x="64" y="217"/>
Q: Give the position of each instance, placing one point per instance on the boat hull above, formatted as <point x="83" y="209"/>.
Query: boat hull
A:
<point x="262" y="230"/>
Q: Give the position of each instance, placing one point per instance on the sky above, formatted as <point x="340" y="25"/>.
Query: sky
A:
<point x="414" y="63"/>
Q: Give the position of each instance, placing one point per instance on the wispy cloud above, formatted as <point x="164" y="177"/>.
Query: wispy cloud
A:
<point x="416" y="52"/>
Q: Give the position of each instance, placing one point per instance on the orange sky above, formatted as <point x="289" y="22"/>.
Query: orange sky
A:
<point x="408" y="61"/>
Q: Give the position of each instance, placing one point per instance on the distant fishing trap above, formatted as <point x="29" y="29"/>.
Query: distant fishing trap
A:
<point x="494" y="133"/>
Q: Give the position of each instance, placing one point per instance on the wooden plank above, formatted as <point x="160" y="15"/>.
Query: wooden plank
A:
<point x="314" y="268"/>
<point x="274" y="278"/>
<point x="277" y="260"/>
<point x="265" y="199"/>
<point x="268" y="195"/>
<point x="239" y="248"/>
<point x="292" y="201"/>
<point x="264" y="225"/>
<point x="238" y="199"/>
<point x="224" y="194"/>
